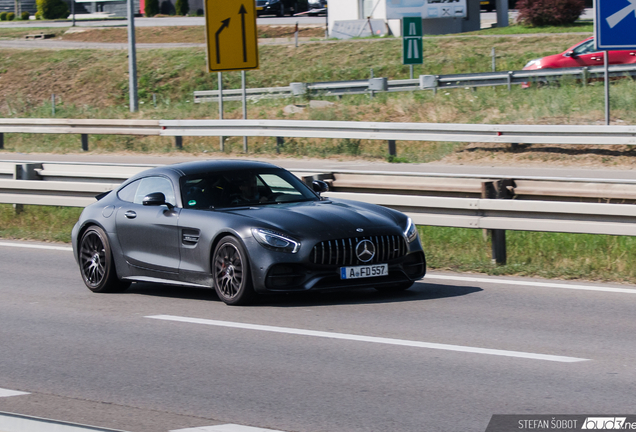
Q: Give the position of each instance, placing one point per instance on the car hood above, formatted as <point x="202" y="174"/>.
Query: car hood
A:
<point x="333" y="219"/>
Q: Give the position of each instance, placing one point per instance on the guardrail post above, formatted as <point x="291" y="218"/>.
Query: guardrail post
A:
<point x="85" y="142"/>
<point x="178" y="142"/>
<point x="499" y="189"/>
<point x="392" y="149"/>
<point x="1" y="140"/>
<point x="280" y="141"/>
<point x="509" y="80"/>
<point x="584" y="76"/>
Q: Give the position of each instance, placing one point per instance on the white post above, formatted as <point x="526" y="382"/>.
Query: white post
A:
<point x="132" y="58"/>
<point x="244" y="107"/>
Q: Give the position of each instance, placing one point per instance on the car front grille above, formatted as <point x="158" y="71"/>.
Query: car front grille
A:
<point x="342" y="252"/>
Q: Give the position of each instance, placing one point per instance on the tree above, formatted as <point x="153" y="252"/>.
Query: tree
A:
<point x="539" y="13"/>
<point x="182" y="7"/>
<point x="52" y="9"/>
<point x="152" y="8"/>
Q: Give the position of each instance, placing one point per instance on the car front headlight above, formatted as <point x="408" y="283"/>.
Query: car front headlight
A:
<point x="411" y="230"/>
<point x="276" y="241"/>
<point x="535" y="62"/>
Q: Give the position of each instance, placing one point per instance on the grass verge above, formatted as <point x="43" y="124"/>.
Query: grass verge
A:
<point x="547" y="255"/>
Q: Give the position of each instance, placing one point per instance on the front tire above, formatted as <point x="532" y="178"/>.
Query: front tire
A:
<point x="96" y="263"/>
<point x="232" y="277"/>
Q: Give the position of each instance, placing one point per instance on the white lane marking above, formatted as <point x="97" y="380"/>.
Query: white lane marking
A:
<point x="36" y="246"/>
<point x="7" y="393"/>
<point x="372" y="339"/>
<point x="226" y="428"/>
<point x="532" y="284"/>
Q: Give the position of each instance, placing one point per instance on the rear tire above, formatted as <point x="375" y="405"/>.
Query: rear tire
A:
<point x="231" y="272"/>
<point x="96" y="263"/>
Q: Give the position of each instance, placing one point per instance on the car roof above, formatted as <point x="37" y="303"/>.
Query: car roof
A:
<point x="205" y="166"/>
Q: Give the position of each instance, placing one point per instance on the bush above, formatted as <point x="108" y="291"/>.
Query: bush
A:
<point x="52" y="9"/>
<point x="3" y="16"/>
<point x="25" y="15"/>
<point x="539" y="13"/>
<point x="10" y="16"/>
<point x="152" y="8"/>
<point x="182" y="7"/>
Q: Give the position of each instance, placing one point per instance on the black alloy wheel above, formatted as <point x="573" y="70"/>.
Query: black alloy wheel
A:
<point x="96" y="263"/>
<point x="232" y="278"/>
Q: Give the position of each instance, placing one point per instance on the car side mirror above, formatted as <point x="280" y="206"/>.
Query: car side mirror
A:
<point x="319" y="186"/>
<point x="570" y="54"/>
<point x="155" y="199"/>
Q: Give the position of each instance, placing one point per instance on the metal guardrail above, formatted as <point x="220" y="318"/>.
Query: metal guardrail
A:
<point x="424" y="82"/>
<point x="485" y="133"/>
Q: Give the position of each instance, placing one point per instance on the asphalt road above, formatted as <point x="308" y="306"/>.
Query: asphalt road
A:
<point x="443" y="356"/>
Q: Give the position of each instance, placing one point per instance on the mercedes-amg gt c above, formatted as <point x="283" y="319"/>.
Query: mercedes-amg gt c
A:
<point x="241" y="228"/>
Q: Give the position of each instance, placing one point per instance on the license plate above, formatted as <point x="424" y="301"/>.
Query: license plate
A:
<point x="359" y="272"/>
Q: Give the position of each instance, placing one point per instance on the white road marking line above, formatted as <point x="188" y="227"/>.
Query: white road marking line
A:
<point x="36" y="246"/>
<point x="372" y="339"/>
<point x="7" y="393"/>
<point x="226" y="428"/>
<point x="532" y="284"/>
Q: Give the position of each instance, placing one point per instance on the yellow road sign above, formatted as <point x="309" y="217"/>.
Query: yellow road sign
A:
<point x="230" y="32"/>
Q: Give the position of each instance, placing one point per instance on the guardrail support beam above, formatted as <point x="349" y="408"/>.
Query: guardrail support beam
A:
<point x="500" y="189"/>
<point x="178" y="142"/>
<point x="1" y="140"/>
<point x="85" y="142"/>
<point x="392" y="149"/>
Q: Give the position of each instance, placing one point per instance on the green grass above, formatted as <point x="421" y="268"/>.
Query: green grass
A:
<point x="38" y="222"/>
<point x="577" y="27"/>
<point x="548" y="255"/>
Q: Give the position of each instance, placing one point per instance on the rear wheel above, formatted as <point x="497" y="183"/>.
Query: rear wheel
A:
<point x="232" y="278"/>
<point x="96" y="263"/>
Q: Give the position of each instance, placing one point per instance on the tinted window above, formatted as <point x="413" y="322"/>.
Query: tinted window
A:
<point x="585" y="48"/>
<point x="154" y="184"/>
<point x="128" y="192"/>
<point x="243" y="188"/>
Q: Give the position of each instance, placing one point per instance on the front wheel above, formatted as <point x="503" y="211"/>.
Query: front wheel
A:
<point x="96" y="263"/>
<point x="232" y="278"/>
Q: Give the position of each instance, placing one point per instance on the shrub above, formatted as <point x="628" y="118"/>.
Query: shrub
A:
<point x="38" y="16"/>
<point x="182" y="7"/>
<point x="52" y="9"/>
<point x="25" y="15"/>
<point x="3" y="16"/>
<point x="152" y="8"/>
<point x="10" y="16"/>
<point x="538" y="13"/>
<point x="166" y="8"/>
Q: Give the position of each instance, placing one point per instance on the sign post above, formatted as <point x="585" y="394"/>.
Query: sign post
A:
<point x="412" y="40"/>
<point x="614" y="25"/>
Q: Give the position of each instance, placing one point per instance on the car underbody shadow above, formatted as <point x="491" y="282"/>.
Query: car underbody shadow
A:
<point x="418" y="292"/>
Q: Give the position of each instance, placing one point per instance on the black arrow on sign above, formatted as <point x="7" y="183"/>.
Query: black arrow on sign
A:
<point x="226" y="23"/>
<point x="242" y="11"/>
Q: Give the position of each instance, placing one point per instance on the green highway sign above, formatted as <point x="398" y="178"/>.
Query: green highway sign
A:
<point x="412" y="40"/>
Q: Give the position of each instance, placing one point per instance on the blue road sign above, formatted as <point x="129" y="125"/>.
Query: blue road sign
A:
<point x="614" y="24"/>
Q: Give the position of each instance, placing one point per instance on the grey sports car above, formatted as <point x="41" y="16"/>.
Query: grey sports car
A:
<point x="242" y="228"/>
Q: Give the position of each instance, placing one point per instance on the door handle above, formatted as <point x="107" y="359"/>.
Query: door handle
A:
<point x="596" y="58"/>
<point x="130" y="214"/>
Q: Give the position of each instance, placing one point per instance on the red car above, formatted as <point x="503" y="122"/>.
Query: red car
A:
<point x="582" y="54"/>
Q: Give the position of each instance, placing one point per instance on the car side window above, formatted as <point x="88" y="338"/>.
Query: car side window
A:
<point x="128" y="192"/>
<point x="149" y="185"/>
<point x="585" y="48"/>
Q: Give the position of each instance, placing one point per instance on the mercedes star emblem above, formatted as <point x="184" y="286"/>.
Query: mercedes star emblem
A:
<point x="365" y="250"/>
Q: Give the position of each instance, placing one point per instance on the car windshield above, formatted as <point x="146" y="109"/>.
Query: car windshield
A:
<point x="243" y="188"/>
